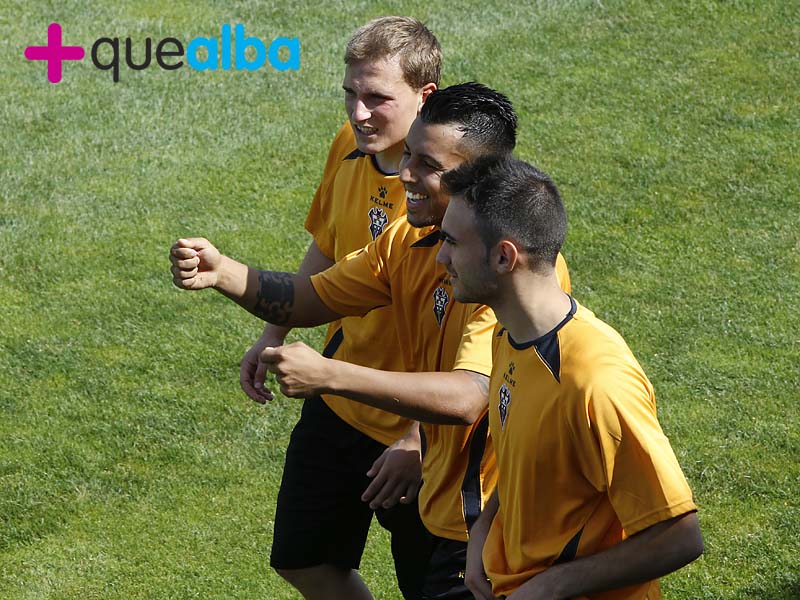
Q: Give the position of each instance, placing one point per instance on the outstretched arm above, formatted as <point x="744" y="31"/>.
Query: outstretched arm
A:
<point x="453" y="397"/>
<point x="278" y="298"/>
<point x="652" y="553"/>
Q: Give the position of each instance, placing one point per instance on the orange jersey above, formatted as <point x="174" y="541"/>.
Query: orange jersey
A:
<point x="436" y="333"/>
<point x="352" y="205"/>
<point x="582" y="460"/>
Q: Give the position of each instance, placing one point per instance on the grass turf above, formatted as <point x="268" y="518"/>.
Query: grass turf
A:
<point x="130" y="464"/>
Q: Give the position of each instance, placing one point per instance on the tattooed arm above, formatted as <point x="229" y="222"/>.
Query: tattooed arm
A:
<point x="278" y="298"/>
<point x="251" y="379"/>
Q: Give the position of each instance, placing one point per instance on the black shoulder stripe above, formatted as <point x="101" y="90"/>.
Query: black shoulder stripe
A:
<point x="471" y="485"/>
<point x="429" y="241"/>
<point x="547" y="346"/>
<point x="354" y="155"/>
<point x="550" y="352"/>
<point x="333" y="345"/>
<point x="570" y="550"/>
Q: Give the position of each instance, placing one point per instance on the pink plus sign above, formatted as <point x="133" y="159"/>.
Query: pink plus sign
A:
<point x="54" y="53"/>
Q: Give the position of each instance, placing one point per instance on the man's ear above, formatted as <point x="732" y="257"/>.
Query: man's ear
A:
<point x="507" y="256"/>
<point x="427" y="90"/>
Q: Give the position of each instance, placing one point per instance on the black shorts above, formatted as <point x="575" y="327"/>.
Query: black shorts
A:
<point x="445" y="577"/>
<point x="320" y="517"/>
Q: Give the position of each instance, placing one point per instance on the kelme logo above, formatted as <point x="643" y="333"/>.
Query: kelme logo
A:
<point x="229" y="51"/>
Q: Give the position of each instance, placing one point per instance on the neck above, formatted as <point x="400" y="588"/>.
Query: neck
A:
<point x="389" y="160"/>
<point x="532" y="306"/>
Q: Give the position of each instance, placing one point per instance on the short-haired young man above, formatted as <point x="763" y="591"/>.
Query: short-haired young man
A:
<point x="326" y="500"/>
<point x="445" y="345"/>
<point x="590" y="500"/>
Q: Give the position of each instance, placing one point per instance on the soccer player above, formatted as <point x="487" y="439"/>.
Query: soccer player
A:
<point x="590" y="500"/>
<point x="326" y="499"/>
<point x="445" y="345"/>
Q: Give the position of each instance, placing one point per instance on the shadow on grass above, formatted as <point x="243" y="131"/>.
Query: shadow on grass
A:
<point x="790" y="590"/>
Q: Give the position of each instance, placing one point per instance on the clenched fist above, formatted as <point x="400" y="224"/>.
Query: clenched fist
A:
<point x="195" y="263"/>
<point x="302" y="372"/>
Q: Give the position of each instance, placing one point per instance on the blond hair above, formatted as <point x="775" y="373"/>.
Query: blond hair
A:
<point x="386" y="37"/>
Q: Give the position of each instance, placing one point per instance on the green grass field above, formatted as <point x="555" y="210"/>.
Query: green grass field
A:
<point x="132" y="467"/>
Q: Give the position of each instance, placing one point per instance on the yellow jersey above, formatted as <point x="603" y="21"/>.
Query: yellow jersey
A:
<point x="354" y="202"/>
<point x="582" y="460"/>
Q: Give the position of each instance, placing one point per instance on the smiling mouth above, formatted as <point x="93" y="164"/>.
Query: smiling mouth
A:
<point x="414" y="200"/>
<point x="364" y="129"/>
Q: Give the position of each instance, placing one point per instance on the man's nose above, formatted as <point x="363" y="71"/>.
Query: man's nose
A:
<point x="360" y="111"/>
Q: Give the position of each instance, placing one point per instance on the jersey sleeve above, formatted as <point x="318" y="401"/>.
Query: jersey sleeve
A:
<point x="361" y="280"/>
<point x="643" y="479"/>
<point x="319" y="221"/>
<point x="475" y="347"/>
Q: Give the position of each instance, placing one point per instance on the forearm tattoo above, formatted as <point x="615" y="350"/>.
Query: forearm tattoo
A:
<point x="275" y="298"/>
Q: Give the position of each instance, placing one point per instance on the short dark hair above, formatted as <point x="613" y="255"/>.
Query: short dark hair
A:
<point x="485" y="116"/>
<point x="512" y="199"/>
<point x="406" y="37"/>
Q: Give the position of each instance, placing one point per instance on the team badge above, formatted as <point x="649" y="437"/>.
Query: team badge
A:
<point x="505" y="400"/>
<point x="440" y="300"/>
<point x="377" y="221"/>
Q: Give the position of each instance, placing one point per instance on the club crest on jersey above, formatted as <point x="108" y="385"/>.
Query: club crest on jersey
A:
<point x="377" y="221"/>
<point x="440" y="300"/>
<point x="505" y="400"/>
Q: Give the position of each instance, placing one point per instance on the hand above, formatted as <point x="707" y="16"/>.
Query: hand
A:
<point x="475" y="575"/>
<point x="195" y="263"/>
<point x="251" y="379"/>
<point x="397" y="473"/>
<point x="302" y="372"/>
<point x="539" y="587"/>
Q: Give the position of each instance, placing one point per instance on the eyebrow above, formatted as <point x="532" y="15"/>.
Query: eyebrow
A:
<point x="425" y="157"/>
<point x="437" y="165"/>
<point x="375" y="93"/>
